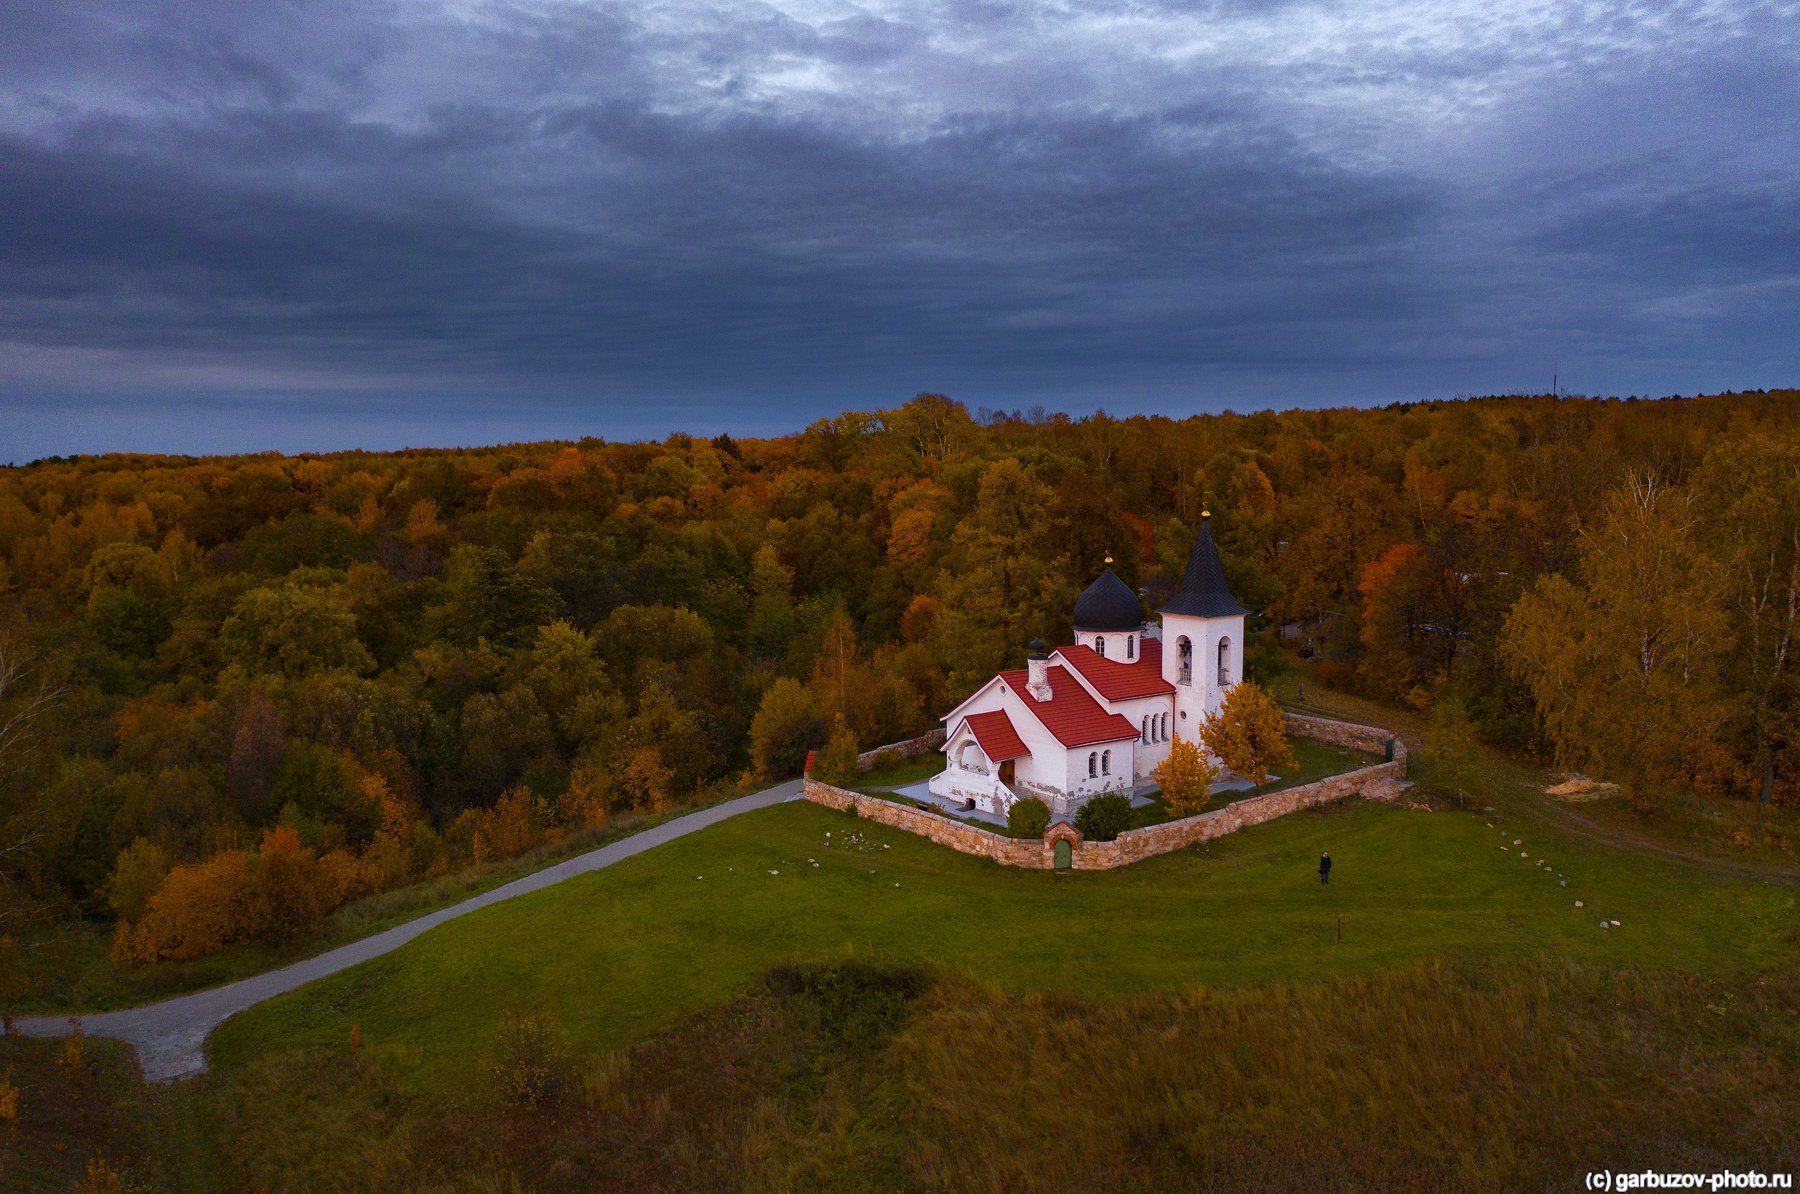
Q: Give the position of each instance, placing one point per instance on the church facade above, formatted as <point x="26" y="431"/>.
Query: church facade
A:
<point x="1098" y="715"/>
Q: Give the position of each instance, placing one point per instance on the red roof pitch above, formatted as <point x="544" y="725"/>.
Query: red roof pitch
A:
<point x="999" y="740"/>
<point x="1071" y="713"/>
<point x="1117" y="680"/>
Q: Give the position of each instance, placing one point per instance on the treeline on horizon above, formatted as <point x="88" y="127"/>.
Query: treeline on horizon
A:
<point x="238" y="691"/>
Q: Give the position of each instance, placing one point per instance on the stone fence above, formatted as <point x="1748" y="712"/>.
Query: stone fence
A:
<point x="1378" y="782"/>
<point x="911" y="748"/>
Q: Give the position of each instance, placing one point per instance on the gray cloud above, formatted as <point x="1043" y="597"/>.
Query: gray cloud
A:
<point x="416" y="223"/>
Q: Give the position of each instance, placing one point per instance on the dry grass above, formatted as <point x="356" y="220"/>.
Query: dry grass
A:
<point x="1500" y="1076"/>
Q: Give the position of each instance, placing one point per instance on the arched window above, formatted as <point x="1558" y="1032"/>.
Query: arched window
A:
<point x="1100" y="645"/>
<point x="1093" y="764"/>
<point x="1165" y="727"/>
<point x="1224" y="663"/>
<point x="1184" y="651"/>
<point x="1144" y="733"/>
<point x="1106" y="762"/>
<point x="1130" y="646"/>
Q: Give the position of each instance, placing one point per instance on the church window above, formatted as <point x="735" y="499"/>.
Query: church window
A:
<point x="1093" y="764"/>
<point x="1184" y="651"/>
<point x="1106" y="762"/>
<point x="1165" y="727"/>
<point x="1144" y="732"/>
<point x="1224" y="663"/>
<point x="1130" y="647"/>
<point x="1100" y="645"/>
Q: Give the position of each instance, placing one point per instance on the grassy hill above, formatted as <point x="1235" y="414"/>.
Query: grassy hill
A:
<point x="1442" y="1016"/>
<point x="620" y="953"/>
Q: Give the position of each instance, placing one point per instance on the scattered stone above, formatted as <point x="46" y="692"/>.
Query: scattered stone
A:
<point x="1518" y="841"/>
<point x="1579" y="904"/>
<point x="896" y="885"/>
<point x="774" y="872"/>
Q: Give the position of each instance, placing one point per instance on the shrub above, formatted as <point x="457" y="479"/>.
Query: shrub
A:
<point x="1029" y="816"/>
<point x="853" y="1003"/>
<point x="1104" y="817"/>
<point x="1186" y="777"/>
<point x="198" y="910"/>
<point x="527" y="1060"/>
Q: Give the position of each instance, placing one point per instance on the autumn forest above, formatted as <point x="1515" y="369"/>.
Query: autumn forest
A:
<point x="236" y="693"/>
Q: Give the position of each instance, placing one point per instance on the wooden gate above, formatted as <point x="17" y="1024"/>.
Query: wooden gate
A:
<point x="1063" y="854"/>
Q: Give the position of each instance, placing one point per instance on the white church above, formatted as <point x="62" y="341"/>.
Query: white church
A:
<point x="1098" y="716"/>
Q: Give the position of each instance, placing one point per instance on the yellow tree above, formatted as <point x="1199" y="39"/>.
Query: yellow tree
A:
<point x="1186" y="777"/>
<point x="1621" y="661"/>
<point x="1249" y="735"/>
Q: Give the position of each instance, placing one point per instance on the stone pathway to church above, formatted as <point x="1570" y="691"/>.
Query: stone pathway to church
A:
<point x="170" y="1036"/>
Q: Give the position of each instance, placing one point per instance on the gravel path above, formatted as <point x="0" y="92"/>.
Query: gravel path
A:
<point x="170" y="1036"/>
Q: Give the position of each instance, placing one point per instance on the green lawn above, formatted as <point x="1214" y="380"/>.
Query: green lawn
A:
<point x="622" y="952"/>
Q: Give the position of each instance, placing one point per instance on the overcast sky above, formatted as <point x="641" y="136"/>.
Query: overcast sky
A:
<point x="307" y="224"/>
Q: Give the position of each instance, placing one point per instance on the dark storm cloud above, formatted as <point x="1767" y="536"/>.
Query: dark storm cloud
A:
<point x="752" y="214"/>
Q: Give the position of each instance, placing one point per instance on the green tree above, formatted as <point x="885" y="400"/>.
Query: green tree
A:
<point x="1452" y="750"/>
<point x="786" y="726"/>
<point x="836" y="764"/>
<point x="485" y="597"/>
<point x="136" y="875"/>
<point x="1004" y="583"/>
<point x="566" y="673"/>
<point x="293" y="630"/>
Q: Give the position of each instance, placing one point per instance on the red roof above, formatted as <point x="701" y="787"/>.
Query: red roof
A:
<point x="1117" y="680"/>
<point x="1071" y="713"/>
<point x="999" y="740"/>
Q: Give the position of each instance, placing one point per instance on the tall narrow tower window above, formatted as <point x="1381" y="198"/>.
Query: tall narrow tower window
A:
<point x="1100" y="645"/>
<point x="1184" y="651"/>
<point x="1224" y="663"/>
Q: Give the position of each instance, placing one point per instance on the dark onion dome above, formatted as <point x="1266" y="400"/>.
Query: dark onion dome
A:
<point x="1203" y="592"/>
<point x="1109" y="604"/>
<point x="1039" y="649"/>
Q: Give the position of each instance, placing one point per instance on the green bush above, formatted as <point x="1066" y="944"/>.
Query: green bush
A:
<point x="1028" y="817"/>
<point x="1104" y="817"/>
<point x="852" y="1002"/>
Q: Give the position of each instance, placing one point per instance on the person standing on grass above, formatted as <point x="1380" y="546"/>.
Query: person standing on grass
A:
<point x="1325" y="868"/>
